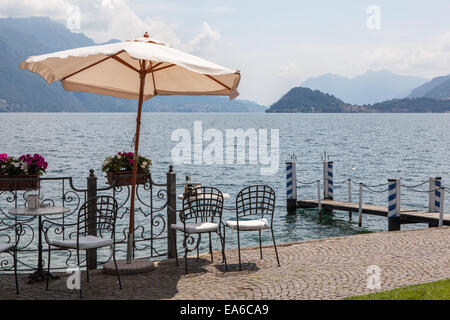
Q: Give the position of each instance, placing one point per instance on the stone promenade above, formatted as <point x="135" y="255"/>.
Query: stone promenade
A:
<point x="320" y="269"/>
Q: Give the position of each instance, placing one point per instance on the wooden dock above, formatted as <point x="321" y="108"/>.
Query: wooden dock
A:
<point x="406" y="215"/>
<point x="434" y="215"/>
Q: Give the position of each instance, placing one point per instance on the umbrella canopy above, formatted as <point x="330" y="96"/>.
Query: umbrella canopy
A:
<point x="134" y="69"/>
<point x="113" y="70"/>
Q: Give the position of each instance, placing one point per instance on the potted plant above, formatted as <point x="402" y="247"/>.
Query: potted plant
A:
<point x="119" y="169"/>
<point x="21" y="173"/>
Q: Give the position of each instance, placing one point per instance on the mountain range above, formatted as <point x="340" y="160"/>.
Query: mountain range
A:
<point x="370" y="87"/>
<point x="373" y="91"/>
<point x="25" y="91"/>
<point x="306" y="100"/>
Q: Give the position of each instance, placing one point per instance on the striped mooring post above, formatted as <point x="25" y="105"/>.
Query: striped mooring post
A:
<point x="437" y="195"/>
<point x="434" y="198"/>
<point x="394" y="204"/>
<point x="328" y="180"/>
<point x="291" y="186"/>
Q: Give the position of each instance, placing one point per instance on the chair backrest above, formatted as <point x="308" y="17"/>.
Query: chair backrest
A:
<point x="204" y="205"/>
<point x="105" y="209"/>
<point x="257" y="200"/>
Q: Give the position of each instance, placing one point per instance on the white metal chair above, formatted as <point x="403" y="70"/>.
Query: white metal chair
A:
<point x="201" y="213"/>
<point x="256" y="201"/>
<point x="106" y="208"/>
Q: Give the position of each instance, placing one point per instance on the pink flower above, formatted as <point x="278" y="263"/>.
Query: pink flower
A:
<point x="35" y="163"/>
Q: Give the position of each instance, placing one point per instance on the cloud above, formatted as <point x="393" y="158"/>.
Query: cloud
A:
<point x="108" y="19"/>
<point x="101" y="20"/>
<point x="428" y="59"/>
<point x="205" y="40"/>
<point x="25" y="8"/>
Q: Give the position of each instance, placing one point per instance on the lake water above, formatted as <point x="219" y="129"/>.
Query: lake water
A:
<point x="365" y="147"/>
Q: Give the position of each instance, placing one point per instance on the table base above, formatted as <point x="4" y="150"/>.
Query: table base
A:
<point x="40" y="275"/>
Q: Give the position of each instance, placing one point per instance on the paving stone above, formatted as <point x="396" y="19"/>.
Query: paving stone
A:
<point x="320" y="269"/>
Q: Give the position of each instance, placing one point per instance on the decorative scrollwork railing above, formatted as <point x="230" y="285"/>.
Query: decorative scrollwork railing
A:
<point x="150" y="220"/>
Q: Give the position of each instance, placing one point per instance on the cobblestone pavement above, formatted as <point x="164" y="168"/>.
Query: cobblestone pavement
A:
<point x="321" y="269"/>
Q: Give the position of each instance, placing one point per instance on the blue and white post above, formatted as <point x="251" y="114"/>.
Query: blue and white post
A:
<point x="435" y="197"/>
<point x="437" y="194"/>
<point x="291" y="186"/>
<point x="435" y="183"/>
<point x="394" y="204"/>
<point x="328" y="180"/>
<point x="441" y="208"/>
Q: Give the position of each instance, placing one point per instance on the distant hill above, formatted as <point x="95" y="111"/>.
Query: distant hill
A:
<point x="367" y="88"/>
<point x="437" y="88"/>
<point x="200" y="104"/>
<point x="307" y="101"/>
<point x="24" y="91"/>
<point x="415" y="105"/>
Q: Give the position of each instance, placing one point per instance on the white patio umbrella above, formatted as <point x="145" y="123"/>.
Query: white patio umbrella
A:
<point x="135" y="69"/>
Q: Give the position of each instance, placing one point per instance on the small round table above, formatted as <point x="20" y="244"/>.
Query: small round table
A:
<point x="39" y="274"/>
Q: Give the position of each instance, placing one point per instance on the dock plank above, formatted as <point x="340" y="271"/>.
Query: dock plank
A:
<point x="405" y="213"/>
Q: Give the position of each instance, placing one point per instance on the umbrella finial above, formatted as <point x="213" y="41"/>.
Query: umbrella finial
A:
<point x="146" y="35"/>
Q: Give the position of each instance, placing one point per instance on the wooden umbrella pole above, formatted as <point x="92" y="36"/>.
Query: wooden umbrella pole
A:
<point x="130" y="243"/>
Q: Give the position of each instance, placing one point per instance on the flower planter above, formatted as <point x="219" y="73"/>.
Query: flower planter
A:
<point x="19" y="182"/>
<point x="123" y="178"/>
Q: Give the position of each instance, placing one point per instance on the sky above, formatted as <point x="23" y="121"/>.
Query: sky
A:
<point x="275" y="44"/>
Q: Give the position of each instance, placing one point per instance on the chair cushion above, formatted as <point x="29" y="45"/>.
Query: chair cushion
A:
<point x="248" y="225"/>
<point x="89" y="242"/>
<point x="196" y="227"/>
<point x="6" y="247"/>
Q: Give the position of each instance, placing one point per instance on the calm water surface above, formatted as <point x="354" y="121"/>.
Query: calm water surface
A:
<point x="376" y="146"/>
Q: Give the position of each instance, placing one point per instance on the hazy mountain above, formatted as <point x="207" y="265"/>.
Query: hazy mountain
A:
<point x="437" y="88"/>
<point x="201" y="104"/>
<point x="306" y="100"/>
<point x="367" y="88"/>
<point x="21" y="90"/>
<point x="441" y="91"/>
<point x="427" y="87"/>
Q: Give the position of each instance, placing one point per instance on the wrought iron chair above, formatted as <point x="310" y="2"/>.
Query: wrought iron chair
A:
<point x="254" y="201"/>
<point x="10" y="247"/>
<point x="201" y="213"/>
<point x="106" y="208"/>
